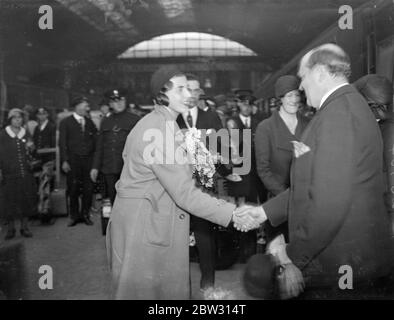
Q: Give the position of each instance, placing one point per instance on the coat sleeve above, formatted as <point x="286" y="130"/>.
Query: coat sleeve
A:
<point x="330" y="187"/>
<point x="263" y="160"/>
<point x="177" y="180"/>
<point x="63" y="140"/>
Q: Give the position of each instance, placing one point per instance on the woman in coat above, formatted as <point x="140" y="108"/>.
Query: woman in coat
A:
<point x="17" y="180"/>
<point x="148" y="232"/>
<point x="274" y="150"/>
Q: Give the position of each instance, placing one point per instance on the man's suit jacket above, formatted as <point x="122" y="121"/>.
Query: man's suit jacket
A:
<point x="73" y="141"/>
<point x="335" y="205"/>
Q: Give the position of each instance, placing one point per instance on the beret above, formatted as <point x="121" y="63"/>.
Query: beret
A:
<point x="375" y="88"/>
<point x="161" y="76"/>
<point x="285" y="84"/>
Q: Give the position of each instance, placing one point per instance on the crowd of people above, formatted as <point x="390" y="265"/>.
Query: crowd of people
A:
<point x="312" y="193"/>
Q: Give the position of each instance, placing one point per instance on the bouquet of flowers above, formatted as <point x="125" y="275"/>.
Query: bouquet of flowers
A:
<point x="202" y="160"/>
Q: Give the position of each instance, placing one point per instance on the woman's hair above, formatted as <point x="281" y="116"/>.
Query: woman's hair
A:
<point x="161" y="98"/>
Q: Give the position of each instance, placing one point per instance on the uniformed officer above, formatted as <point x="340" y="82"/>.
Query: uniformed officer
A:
<point x="112" y="136"/>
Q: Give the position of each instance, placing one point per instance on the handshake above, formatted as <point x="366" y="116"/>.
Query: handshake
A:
<point x="248" y="217"/>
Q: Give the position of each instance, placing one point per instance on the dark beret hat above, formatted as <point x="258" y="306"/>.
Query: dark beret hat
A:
<point x="375" y="88"/>
<point x="259" y="276"/>
<point x="161" y="76"/>
<point x="77" y="100"/>
<point x="285" y="84"/>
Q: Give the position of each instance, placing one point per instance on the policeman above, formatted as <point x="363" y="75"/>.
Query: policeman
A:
<point x="112" y="136"/>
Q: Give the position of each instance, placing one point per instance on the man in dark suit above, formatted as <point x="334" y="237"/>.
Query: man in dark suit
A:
<point x="338" y="228"/>
<point x="203" y="229"/>
<point x="77" y="144"/>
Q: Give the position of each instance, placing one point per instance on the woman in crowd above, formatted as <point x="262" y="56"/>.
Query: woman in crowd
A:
<point x="378" y="91"/>
<point x="17" y="180"/>
<point x="274" y="150"/>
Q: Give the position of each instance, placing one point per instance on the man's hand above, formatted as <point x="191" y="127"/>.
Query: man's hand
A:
<point x="248" y="217"/>
<point x="291" y="282"/>
<point x="277" y="248"/>
<point x="93" y="174"/>
<point x="66" y="167"/>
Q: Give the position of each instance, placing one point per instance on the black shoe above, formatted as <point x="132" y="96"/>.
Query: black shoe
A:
<point x="72" y="223"/>
<point x="10" y="234"/>
<point x="88" y="221"/>
<point x="26" y="233"/>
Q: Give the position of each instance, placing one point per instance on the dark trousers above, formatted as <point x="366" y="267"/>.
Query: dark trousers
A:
<point x="205" y="242"/>
<point x="79" y="183"/>
<point x="110" y="180"/>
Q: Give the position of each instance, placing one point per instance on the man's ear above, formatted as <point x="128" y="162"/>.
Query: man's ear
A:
<point x="321" y="73"/>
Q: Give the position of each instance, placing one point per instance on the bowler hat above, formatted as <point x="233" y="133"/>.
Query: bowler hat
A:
<point x="161" y="76"/>
<point x="259" y="276"/>
<point x="285" y="84"/>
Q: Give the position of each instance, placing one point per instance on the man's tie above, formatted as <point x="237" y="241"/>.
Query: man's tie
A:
<point x="189" y="119"/>
<point x="82" y="123"/>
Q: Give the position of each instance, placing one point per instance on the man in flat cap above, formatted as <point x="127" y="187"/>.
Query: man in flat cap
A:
<point x="77" y="144"/>
<point x="112" y="135"/>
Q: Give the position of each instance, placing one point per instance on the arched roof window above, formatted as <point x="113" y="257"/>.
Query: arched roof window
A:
<point x="187" y="44"/>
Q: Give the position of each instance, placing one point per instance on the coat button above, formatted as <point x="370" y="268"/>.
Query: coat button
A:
<point x="182" y="216"/>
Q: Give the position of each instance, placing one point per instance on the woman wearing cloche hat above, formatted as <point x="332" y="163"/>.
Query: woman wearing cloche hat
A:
<point x="274" y="150"/>
<point x="15" y="174"/>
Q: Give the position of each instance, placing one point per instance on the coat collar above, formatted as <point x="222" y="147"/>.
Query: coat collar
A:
<point x="284" y="134"/>
<point x="337" y="93"/>
<point x="12" y="134"/>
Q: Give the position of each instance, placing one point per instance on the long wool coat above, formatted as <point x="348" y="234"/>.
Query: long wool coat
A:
<point x="148" y="233"/>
